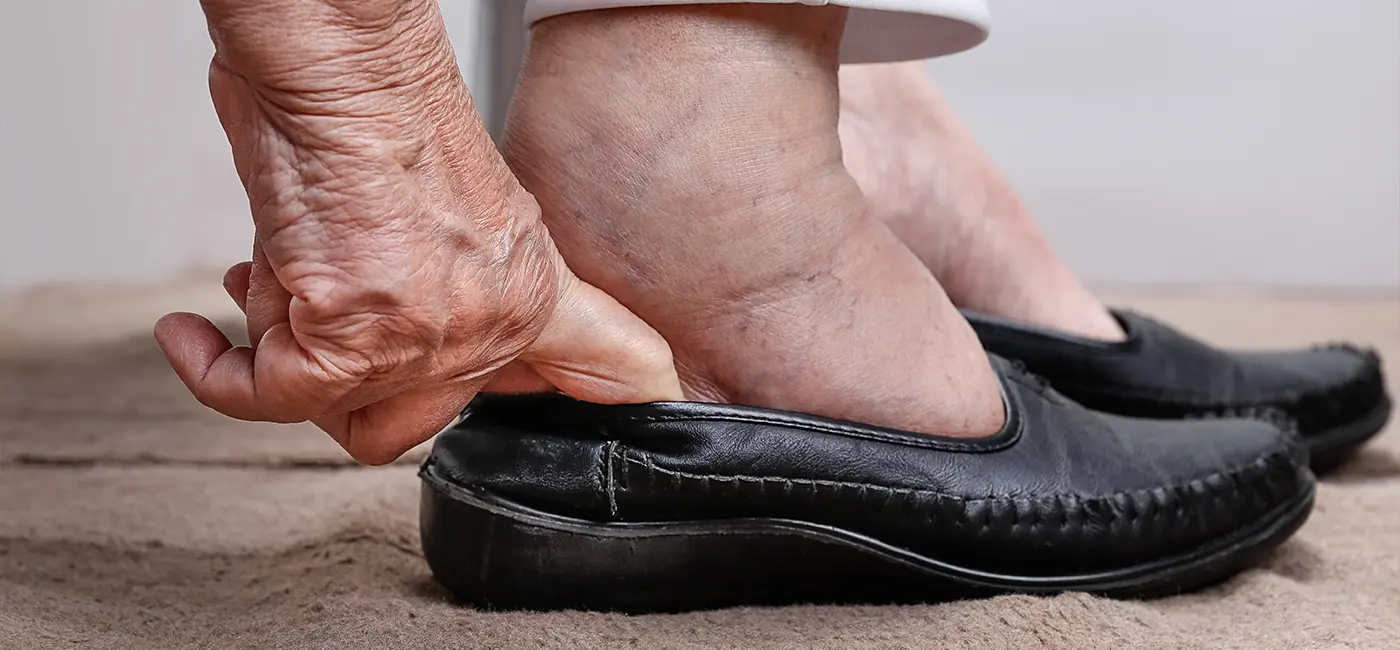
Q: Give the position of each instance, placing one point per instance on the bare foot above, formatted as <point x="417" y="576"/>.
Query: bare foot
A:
<point x="687" y="162"/>
<point x="925" y="176"/>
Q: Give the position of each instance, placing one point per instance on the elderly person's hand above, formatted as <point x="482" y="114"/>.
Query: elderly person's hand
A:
<point x="398" y="266"/>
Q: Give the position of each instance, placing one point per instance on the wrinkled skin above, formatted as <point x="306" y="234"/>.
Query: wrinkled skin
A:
<point x="398" y="267"/>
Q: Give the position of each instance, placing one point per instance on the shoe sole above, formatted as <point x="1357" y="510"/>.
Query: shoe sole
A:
<point x="496" y="554"/>
<point x="1332" y="448"/>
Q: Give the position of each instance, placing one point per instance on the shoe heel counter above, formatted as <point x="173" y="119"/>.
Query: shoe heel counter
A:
<point x="563" y="474"/>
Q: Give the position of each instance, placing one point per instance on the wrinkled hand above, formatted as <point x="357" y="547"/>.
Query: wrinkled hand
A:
<point x="398" y="265"/>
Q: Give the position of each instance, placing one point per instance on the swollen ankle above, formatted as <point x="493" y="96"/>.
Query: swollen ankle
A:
<point x="710" y="199"/>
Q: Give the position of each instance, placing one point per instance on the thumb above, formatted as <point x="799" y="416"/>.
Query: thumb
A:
<point x="594" y="349"/>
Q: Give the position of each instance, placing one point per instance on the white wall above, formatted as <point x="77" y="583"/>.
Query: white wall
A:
<point x="112" y="163"/>
<point x="1240" y="141"/>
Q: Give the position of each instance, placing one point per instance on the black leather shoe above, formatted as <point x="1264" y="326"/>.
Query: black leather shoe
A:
<point x="543" y="502"/>
<point x="1335" y="395"/>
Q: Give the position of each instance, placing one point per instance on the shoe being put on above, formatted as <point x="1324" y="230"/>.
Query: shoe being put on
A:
<point x="544" y="502"/>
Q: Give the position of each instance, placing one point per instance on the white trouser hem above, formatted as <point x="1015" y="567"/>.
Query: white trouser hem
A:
<point x="877" y="30"/>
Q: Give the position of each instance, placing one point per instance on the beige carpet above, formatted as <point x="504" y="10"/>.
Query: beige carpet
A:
<point x="132" y="518"/>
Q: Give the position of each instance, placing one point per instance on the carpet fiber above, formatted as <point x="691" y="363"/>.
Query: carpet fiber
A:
<point x="130" y="517"/>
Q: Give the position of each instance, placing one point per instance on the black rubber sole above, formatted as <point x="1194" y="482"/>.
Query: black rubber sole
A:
<point x="1331" y="449"/>
<point x="496" y="554"/>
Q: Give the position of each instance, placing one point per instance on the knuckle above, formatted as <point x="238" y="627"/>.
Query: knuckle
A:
<point x="362" y="327"/>
<point x="645" y="365"/>
<point x="377" y="438"/>
<point x="534" y="287"/>
<point x="374" y="451"/>
<point x="374" y="15"/>
<point x="285" y="412"/>
<point x="286" y="407"/>
<point x="655" y="356"/>
<point x="504" y="318"/>
<point x="521" y="319"/>
<point x="212" y="400"/>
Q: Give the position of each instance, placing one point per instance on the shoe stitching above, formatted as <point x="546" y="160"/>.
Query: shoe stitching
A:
<point x="1061" y="501"/>
<point x="599" y="476"/>
<point x="1272" y="415"/>
<point x="609" y="454"/>
<point x="625" y="480"/>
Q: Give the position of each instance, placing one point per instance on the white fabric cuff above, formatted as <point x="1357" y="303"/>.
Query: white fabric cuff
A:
<point x="877" y="31"/>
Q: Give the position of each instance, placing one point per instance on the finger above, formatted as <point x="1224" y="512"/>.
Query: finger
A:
<point x="236" y="284"/>
<point x="280" y="383"/>
<point x="269" y="303"/>
<point x="218" y="374"/>
<point x="595" y="350"/>
<point x="381" y="432"/>
<point x="292" y="383"/>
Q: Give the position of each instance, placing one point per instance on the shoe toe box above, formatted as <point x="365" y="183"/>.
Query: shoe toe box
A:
<point x="1194" y="484"/>
<point x="1320" y="388"/>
